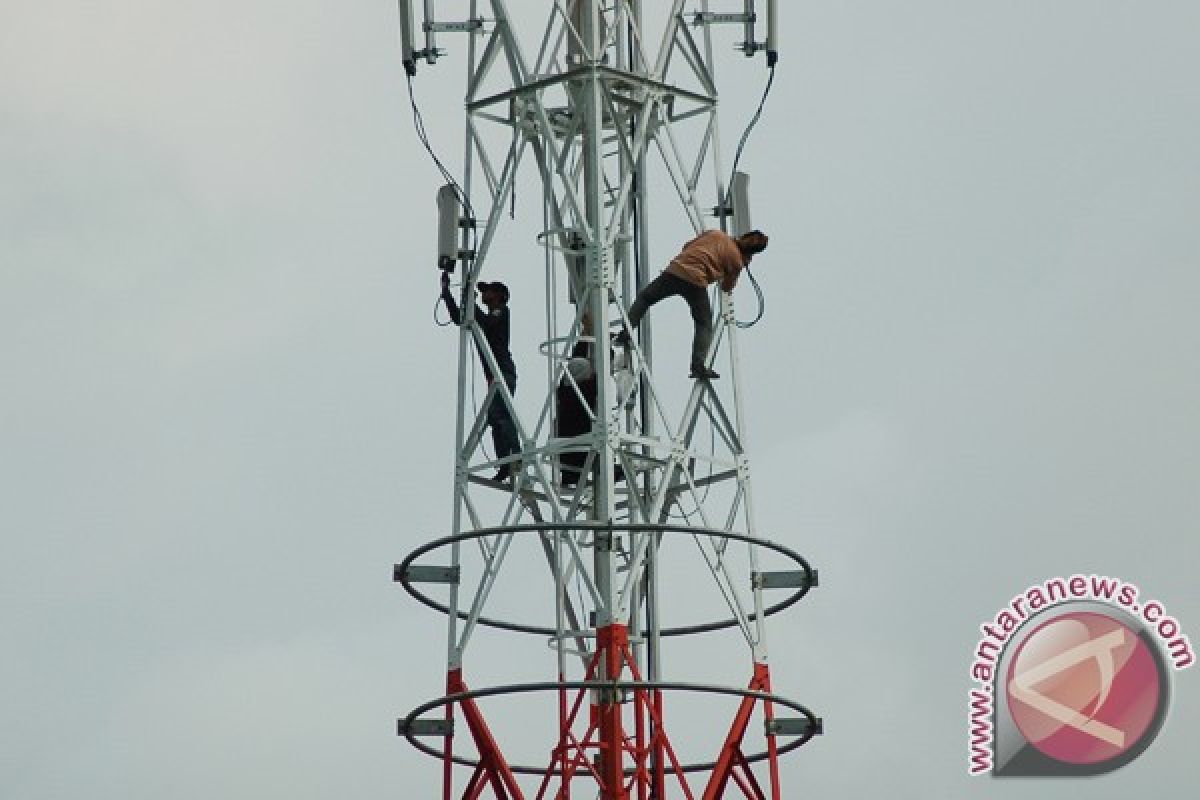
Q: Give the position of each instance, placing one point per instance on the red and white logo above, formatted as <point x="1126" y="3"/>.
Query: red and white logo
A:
<point x="1084" y="688"/>
<point x="1072" y="678"/>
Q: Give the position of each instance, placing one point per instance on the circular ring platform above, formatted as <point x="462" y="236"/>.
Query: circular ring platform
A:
<point x="676" y="530"/>
<point x="814" y="723"/>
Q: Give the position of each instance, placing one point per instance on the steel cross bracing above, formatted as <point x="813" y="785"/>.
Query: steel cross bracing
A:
<point x="598" y="110"/>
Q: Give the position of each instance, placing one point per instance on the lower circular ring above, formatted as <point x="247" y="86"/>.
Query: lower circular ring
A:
<point x="523" y="688"/>
<point x="683" y="630"/>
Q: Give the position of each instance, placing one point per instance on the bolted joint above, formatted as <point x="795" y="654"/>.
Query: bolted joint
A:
<point x="522" y="116"/>
<point x="600" y="266"/>
<point x="714" y="18"/>
<point x="469" y="26"/>
<point x="425" y="727"/>
<point x="781" y="580"/>
<point x="743" y="468"/>
<point x="427" y="574"/>
<point x="611" y="696"/>
<point x="604" y="541"/>
<point x="794" y="726"/>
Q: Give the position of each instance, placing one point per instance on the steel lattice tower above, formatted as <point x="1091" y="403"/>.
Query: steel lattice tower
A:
<point x="575" y="549"/>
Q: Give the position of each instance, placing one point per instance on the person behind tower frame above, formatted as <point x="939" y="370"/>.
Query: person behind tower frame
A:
<point x="494" y="324"/>
<point x="575" y="405"/>
<point x="712" y="257"/>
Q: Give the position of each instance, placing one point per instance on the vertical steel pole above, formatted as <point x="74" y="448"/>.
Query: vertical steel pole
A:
<point x="749" y="26"/>
<point x="598" y="265"/>
<point x="430" y="42"/>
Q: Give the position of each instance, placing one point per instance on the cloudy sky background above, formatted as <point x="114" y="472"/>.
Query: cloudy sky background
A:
<point x="226" y="411"/>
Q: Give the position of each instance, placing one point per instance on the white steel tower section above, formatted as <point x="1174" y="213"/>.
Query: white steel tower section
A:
<point x="573" y="549"/>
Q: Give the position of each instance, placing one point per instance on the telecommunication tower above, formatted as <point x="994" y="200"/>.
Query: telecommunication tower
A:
<point x="579" y="547"/>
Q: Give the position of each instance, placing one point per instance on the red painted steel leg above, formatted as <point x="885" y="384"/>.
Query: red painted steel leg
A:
<point x="503" y="782"/>
<point x="731" y="751"/>
<point x="611" y="642"/>
<point x="747" y="780"/>
<point x="659" y="756"/>
<point x="447" y="759"/>
<point x="476" y="785"/>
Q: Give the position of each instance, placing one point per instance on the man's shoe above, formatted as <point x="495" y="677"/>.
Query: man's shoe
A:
<point x="703" y="373"/>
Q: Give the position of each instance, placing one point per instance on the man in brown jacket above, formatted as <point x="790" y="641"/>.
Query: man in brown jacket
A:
<point x="711" y="257"/>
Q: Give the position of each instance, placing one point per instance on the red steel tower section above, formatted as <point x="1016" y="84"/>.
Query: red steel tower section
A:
<point x="617" y="544"/>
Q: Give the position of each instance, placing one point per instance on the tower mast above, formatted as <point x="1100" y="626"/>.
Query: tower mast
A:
<point x="604" y="93"/>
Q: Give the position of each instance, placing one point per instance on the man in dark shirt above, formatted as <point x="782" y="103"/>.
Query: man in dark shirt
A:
<point x="494" y="324"/>
<point x="572" y="400"/>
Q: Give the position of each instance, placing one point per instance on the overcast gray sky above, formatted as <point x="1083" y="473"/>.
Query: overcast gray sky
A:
<point x="226" y="412"/>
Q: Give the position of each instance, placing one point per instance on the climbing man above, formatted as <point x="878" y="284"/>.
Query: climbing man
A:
<point x="711" y="257"/>
<point x="494" y="324"/>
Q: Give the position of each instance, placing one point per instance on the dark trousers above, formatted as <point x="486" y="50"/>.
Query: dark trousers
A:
<point x="668" y="285"/>
<point x="504" y="430"/>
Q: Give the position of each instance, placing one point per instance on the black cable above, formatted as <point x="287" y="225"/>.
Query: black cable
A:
<point x="746" y="133"/>
<point x="728" y="200"/>
<point x="436" y="321"/>
<point x="419" y="124"/>
<point x="459" y="192"/>
<point x="762" y="304"/>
